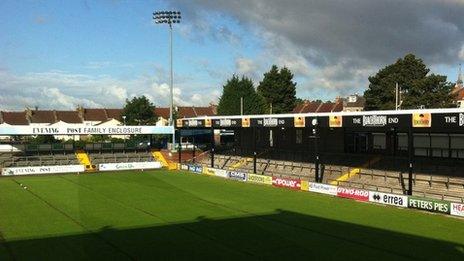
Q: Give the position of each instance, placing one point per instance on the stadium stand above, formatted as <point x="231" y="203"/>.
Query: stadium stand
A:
<point x="117" y="157"/>
<point x="370" y="178"/>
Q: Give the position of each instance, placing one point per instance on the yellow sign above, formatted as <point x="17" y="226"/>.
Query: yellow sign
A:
<point x="304" y="185"/>
<point x="179" y="122"/>
<point x="209" y="171"/>
<point x="299" y="121"/>
<point x="260" y="179"/>
<point x="245" y="122"/>
<point x="335" y="121"/>
<point x="421" y="120"/>
<point x="207" y="122"/>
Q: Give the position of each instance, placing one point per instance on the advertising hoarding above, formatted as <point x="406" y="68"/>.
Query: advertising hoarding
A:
<point x="429" y="204"/>
<point x="353" y="193"/>
<point x="286" y="183"/>
<point x="388" y="199"/>
<point x="237" y="175"/>
<point x="129" y="165"/>
<point x="260" y="179"/>
<point x="322" y="188"/>
<point x="35" y="170"/>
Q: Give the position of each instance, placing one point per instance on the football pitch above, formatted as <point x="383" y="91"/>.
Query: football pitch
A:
<point x="175" y="215"/>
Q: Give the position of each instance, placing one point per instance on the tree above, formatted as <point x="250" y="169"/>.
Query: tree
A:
<point x="233" y="90"/>
<point x="277" y="88"/>
<point x="418" y="88"/>
<point x="139" y="111"/>
<point x="432" y="91"/>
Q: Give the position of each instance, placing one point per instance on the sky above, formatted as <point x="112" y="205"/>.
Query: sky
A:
<point x="64" y="54"/>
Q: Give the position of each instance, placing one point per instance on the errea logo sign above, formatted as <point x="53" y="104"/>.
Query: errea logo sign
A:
<point x="388" y="199"/>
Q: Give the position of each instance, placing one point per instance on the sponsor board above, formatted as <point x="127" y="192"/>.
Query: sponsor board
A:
<point x="42" y="170"/>
<point x="245" y="122"/>
<point x="286" y="183"/>
<point x="207" y="123"/>
<point x="80" y="129"/>
<point x="209" y="171"/>
<point x="304" y="185"/>
<point x="457" y="209"/>
<point x="299" y="121"/>
<point x="357" y="194"/>
<point x="388" y="199"/>
<point x="335" y="121"/>
<point x="322" y="188"/>
<point x="429" y="205"/>
<point x="215" y="172"/>
<point x="237" y="175"/>
<point x="221" y="173"/>
<point x="184" y="167"/>
<point x="421" y="120"/>
<point x="129" y="165"/>
<point x="195" y="168"/>
<point x="260" y="179"/>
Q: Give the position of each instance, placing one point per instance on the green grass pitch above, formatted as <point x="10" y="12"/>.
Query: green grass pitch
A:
<point x="155" y="215"/>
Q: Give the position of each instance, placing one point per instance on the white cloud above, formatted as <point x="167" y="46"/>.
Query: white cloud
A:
<point x="63" y="90"/>
<point x="245" y="66"/>
<point x="461" y="52"/>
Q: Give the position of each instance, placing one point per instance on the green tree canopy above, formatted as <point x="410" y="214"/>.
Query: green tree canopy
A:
<point x="139" y="111"/>
<point x="418" y="88"/>
<point x="233" y="90"/>
<point x="277" y="88"/>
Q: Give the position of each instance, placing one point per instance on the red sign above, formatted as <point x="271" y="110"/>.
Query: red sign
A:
<point x="358" y="194"/>
<point x="286" y="183"/>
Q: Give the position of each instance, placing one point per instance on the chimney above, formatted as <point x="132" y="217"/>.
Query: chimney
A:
<point x="80" y="112"/>
<point x="28" y="114"/>
<point x="213" y="108"/>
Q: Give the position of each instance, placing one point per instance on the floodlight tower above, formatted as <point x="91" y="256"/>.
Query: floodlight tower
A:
<point x="169" y="17"/>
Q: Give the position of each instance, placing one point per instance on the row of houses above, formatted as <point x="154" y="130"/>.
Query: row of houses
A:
<point x="103" y="117"/>
<point x="351" y="103"/>
<point x="91" y="116"/>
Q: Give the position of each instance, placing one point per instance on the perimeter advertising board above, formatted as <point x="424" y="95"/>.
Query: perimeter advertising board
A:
<point x="322" y="188"/>
<point x="184" y="167"/>
<point x="357" y="194"/>
<point x="260" y="179"/>
<point x="215" y="172"/>
<point x="209" y="171"/>
<point x="429" y="205"/>
<point x="42" y="170"/>
<point x="388" y="199"/>
<point x="129" y="165"/>
<point x="457" y="209"/>
<point x="221" y="173"/>
<point x="195" y="168"/>
<point x="286" y="183"/>
<point x="237" y="175"/>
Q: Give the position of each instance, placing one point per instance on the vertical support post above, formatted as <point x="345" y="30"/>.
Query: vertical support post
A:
<point x="180" y="146"/>
<point x="254" y="150"/>
<point x="171" y="95"/>
<point x="193" y="151"/>
<point x="316" y="151"/>
<point x="411" y="159"/>
<point x="212" y="147"/>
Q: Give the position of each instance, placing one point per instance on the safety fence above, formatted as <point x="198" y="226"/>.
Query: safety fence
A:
<point x="402" y="201"/>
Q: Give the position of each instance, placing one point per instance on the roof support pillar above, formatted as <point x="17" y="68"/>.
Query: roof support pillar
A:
<point x="212" y="147"/>
<point x="410" y="158"/>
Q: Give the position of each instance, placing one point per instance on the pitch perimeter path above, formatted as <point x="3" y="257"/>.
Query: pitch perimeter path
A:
<point x="174" y="215"/>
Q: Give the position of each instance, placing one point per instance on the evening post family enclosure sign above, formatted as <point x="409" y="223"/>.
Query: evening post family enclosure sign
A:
<point x="84" y="130"/>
